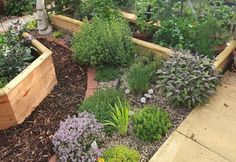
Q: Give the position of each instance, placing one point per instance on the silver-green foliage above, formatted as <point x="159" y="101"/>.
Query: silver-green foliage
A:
<point x="120" y="117"/>
<point x="187" y="80"/>
<point x="104" y="42"/>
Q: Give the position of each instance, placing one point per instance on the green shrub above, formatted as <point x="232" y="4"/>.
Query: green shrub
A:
<point x="151" y="123"/>
<point x="31" y="25"/>
<point x="121" y="153"/>
<point x="187" y="80"/>
<point x="58" y="34"/>
<point x="99" y="105"/>
<point x="103" y="42"/>
<point x="16" y="7"/>
<point x="125" y="4"/>
<point x="120" y="117"/>
<point x="3" y="82"/>
<point x="141" y="73"/>
<point x="106" y="74"/>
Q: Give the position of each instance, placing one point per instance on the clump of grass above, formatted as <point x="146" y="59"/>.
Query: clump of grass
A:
<point x="58" y="34"/>
<point x="106" y="74"/>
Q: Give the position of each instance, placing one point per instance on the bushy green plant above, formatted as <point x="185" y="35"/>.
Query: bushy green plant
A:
<point x="3" y="82"/>
<point x="58" y="34"/>
<point x="103" y="42"/>
<point x="120" y="117"/>
<point x="187" y="80"/>
<point x="121" y="153"/>
<point x="125" y="4"/>
<point x="99" y="105"/>
<point x="140" y="75"/>
<point x="106" y="74"/>
<point x="16" y="7"/>
<point x="31" y="25"/>
<point x="15" y="53"/>
<point x="151" y="123"/>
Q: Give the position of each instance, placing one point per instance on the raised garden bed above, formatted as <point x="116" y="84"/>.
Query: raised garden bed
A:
<point x="222" y="61"/>
<point x="25" y="92"/>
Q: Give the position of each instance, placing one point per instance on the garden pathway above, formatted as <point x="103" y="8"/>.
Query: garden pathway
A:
<point x="23" y="20"/>
<point x="208" y="134"/>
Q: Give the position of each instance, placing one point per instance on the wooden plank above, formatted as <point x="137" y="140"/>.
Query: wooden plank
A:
<point x="153" y="48"/>
<point x="129" y="16"/>
<point x="66" y="23"/>
<point x="224" y="57"/>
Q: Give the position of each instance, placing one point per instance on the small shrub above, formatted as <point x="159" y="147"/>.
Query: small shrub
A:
<point x="125" y="4"/>
<point x="31" y="25"/>
<point x="58" y="34"/>
<point x="106" y="74"/>
<point x="72" y="141"/>
<point x="3" y="82"/>
<point x="151" y="123"/>
<point x="120" y="117"/>
<point x="98" y="104"/>
<point x="140" y="75"/>
<point x="103" y="42"/>
<point x="16" y="7"/>
<point x="121" y="153"/>
<point x="187" y="80"/>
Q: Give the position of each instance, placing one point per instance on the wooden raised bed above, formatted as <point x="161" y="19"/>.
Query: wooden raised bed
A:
<point x="73" y="25"/>
<point x="20" y="96"/>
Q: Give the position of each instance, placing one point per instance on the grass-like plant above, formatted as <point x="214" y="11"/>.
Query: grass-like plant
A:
<point x="120" y="117"/>
<point x="187" y="80"/>
<point x="121" y="153"/>
<point x="99" y="105"/>
<point x="151" y="123"/>
<point x="106" y="74"/>
<point x="140" y="75"/>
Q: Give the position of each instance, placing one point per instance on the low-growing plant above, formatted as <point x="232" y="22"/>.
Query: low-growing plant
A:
<point x="3" y="82"/>
<point x="121" y="153"/>
<point x="72" y="141"/>
<point x="103" y="43"/>
<point x="120" y="117"/>
<point x="140" y="75"/>
<point x="105" y="74"/>
<point x="99" y="105"/>
<point x="31" y="25"/>
<point x="187" y="80"/>
<point x="125" y="4"/>
<point x="151" y="123"/>
<point x="58" y="34"/>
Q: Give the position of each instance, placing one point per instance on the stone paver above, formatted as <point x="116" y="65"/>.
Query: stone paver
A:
<point x="179" y="148"/>
<point x="212" y="127"/>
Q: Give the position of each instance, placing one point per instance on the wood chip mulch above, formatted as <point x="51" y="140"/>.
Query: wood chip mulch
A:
<point x="31" y="141"/>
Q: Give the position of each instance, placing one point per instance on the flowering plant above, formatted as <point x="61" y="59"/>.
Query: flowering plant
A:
<point x="73" y="140"/>
<point x="15" y="52"/>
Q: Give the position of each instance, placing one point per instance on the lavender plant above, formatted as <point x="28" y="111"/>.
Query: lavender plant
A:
<point x="72" y="142"/>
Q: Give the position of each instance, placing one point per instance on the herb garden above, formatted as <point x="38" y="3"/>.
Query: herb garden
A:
<point x="107" y="80"/>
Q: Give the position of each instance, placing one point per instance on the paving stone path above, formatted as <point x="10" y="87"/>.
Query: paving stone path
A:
<point x="208" y="134"/>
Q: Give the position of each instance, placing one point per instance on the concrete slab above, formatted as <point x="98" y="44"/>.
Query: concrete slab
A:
<point x="214" y="125"/>
<point x="179" y="148"/>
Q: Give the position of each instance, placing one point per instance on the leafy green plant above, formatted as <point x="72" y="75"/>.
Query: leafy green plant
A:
<point x="187" y="80"/>
<point x="58" y="34"/>
<point x="121" y="153"/>
<point x="140" y="75"/>
<point x="15" y="53"/>
<point x="31" y="25"/>
<point x="106" y="74"/>
<point x="3" y="82"/>
<point x="103" y="42"/>
<point x="151" y="123"/>
<point x="99" y="105"/>
<point x="125" y="4"/>
<point x="120" y="117"/>
<point x="16" y="7"/>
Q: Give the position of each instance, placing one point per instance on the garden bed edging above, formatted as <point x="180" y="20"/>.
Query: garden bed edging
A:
<point x="25" y="92"/>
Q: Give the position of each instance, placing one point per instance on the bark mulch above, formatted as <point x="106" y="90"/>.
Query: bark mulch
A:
<point x="31" y="141"/>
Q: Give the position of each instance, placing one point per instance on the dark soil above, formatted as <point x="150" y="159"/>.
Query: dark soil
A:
<point x="31" y="141"/>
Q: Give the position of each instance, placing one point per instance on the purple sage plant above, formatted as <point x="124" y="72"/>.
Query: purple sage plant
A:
<point x="72" y="142"/>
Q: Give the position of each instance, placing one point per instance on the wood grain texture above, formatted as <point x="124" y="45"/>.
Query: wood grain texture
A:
<point x="24" y="93"/>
